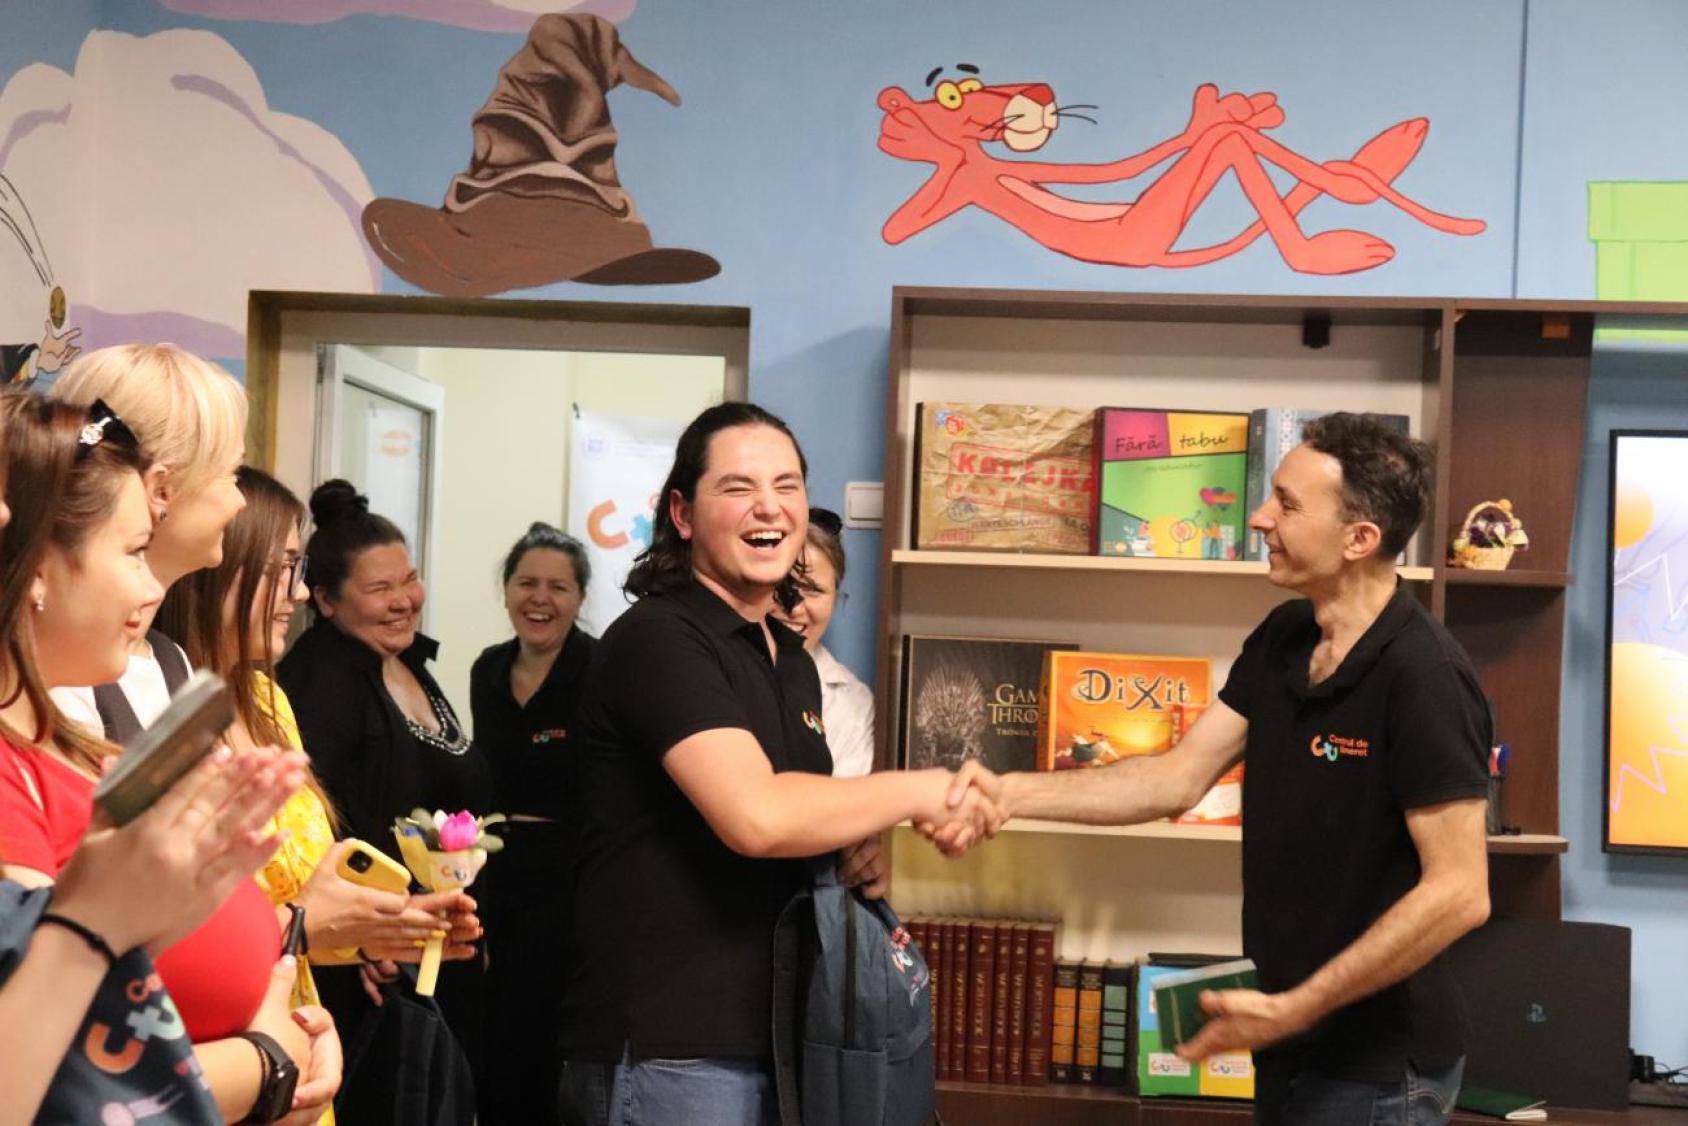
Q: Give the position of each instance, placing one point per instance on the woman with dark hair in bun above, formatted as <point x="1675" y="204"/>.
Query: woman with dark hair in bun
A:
<point x="381" y="735"/>
<point x="525" y="694"/>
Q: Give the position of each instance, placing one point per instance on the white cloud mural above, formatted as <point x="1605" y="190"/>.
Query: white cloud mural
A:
<point x="485" y="15"/>
<point x="164" y="188"/>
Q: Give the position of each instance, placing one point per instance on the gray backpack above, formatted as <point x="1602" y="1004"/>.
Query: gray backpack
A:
<point x="852" y="1012"/>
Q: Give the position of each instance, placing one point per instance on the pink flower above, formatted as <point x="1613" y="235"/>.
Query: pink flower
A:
<point x="459" y="831"/>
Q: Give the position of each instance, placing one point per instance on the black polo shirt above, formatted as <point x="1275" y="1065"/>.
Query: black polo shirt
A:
<point x="1332" y="769"/>
<point x="529" y="744"/>
<point x="674" y="929"/>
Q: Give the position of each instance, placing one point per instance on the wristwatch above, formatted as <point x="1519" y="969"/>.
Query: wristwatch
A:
<point x="281" y="1076"/>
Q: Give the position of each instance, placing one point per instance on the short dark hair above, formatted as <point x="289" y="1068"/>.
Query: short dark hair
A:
<point x="666" y="565"/>
<point x="1386" y="475"/>
<point x="826" y="536"/>
<point x="541" y="536"/>
<point x="342" y="529"/>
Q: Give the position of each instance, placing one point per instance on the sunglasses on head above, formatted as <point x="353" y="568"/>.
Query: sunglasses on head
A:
<point x="104" y="425"/>
<point x="826" y="520"/>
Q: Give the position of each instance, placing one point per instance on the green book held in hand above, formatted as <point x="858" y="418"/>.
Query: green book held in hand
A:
<point x="1178" y="996"/>
<point x="1502" y="1104"/>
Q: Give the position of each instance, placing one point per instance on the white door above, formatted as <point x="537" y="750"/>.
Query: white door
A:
<point x="379" y="427"/>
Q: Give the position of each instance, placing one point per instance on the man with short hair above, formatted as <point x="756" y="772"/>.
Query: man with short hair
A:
<point x="1366" y="736"/>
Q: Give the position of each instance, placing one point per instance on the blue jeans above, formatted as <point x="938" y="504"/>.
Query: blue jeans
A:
<point x="657" y="1092"/>
<point x="1419" y="1099"/>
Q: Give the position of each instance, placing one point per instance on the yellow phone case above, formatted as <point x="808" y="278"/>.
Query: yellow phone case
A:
<point x="367" y="865"/>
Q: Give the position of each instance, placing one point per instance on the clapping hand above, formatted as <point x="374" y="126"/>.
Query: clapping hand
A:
<point x="155" y="879"/>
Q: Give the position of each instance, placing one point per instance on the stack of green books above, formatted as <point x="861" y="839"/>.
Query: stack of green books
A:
<point x="1178" y="996"/>
<point x="1502" y="1104"/>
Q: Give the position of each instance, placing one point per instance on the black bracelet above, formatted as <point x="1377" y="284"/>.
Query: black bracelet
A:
<point x="95" y="942"/>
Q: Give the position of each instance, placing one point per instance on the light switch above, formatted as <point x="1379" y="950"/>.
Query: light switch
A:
<point x="864" y="504"/>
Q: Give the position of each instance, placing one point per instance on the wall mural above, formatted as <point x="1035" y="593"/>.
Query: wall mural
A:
<point x="481" y="15"/>
<point x="540" y="201"/>
<point x="951" y="128"/>
<point x="21" y="363"/>
<point x="183" y="121"/>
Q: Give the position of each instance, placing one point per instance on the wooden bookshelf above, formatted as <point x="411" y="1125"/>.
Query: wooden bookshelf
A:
<point x="1034" y="561"/>
<point x="1499" y="387"/>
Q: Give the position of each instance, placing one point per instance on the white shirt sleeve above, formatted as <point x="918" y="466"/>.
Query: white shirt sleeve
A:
<point x="847" y="712"/>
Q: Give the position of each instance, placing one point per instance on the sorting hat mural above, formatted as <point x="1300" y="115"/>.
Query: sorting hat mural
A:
<point x="541" y="201"/>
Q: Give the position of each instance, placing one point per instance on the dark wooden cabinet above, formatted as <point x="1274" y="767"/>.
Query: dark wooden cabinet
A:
<point x="1500" y="387"/>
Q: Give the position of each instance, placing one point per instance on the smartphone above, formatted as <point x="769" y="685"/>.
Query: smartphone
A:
<point x="157" y="758"/>
<point x="367" y="865"/>
<point x="293" y="939"/>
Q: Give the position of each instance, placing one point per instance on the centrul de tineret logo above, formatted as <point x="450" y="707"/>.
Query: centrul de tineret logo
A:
<point x="1332" y="747"/>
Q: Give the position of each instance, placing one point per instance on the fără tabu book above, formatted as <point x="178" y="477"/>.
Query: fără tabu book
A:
<point x="1170" y="483"/>
<point x="972" y="698"/>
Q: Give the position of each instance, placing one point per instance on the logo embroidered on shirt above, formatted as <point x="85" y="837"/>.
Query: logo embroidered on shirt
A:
<point x="1332" y="747"/>
<point x="551" y="735"/>
<point x="813" y="723"/>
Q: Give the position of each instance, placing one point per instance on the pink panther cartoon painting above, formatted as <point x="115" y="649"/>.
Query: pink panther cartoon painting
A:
<point x="1224" y="134"/>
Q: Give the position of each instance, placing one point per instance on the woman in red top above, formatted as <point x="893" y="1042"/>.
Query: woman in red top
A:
<point x="73" y="566"/>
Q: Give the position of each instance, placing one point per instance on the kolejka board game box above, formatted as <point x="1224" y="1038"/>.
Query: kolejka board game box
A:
<point x="996" y="477"/>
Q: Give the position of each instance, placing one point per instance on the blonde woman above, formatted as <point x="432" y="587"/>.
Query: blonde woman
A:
<point x="190" y="418"/>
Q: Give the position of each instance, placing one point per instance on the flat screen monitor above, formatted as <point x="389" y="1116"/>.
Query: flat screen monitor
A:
<point x="1646" y="807"/>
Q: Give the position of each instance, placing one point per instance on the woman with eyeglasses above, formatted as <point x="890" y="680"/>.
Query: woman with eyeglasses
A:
<point x="233" y="619"/>
<point x="846" y="703"/>
<point x="74" y="587"/>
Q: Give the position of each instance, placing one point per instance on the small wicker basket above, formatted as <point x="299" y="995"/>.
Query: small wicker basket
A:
<point x="1485" y="556"/>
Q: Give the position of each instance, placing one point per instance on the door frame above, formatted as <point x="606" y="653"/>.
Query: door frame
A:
<point x="285" y="327"/>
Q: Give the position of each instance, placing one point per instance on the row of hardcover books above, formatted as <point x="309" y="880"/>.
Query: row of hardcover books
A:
<point x="993" y="997"/>
<point x="1004" y="1010"/>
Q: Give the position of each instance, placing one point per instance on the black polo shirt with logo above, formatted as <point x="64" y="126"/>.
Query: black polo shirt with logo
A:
<point x="675" y="929"/>
<point x="1332" y="769"/>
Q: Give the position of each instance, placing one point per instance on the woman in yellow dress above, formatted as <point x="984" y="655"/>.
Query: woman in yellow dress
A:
<point x="233" y="619"/>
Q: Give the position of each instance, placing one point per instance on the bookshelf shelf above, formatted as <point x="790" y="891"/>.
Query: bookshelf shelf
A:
<point x="909" y="557"/>
<point x="1529" y="844"/>
<point x="1514" y="844"/>
<point x="1551" y="580"/>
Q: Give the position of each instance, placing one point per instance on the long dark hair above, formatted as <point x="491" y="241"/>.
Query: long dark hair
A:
<point x="342" y="529"/>
<point x="193" y="616"/>
<point x="59" y="490"/>
<point x="666" y="565"/>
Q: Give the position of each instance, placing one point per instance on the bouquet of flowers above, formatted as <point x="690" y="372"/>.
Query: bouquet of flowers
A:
<point x="444" y="852"/>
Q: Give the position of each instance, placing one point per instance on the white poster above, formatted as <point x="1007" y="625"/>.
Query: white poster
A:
<point x="393" y="470"/>
<point x="616" y="469"/>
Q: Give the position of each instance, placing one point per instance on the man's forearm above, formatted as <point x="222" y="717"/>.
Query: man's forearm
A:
<point x="1421" y="924"/>
<point x="1123" y="793"/>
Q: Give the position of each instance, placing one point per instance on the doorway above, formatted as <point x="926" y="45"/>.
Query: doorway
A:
<point x="464" y="424"/>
